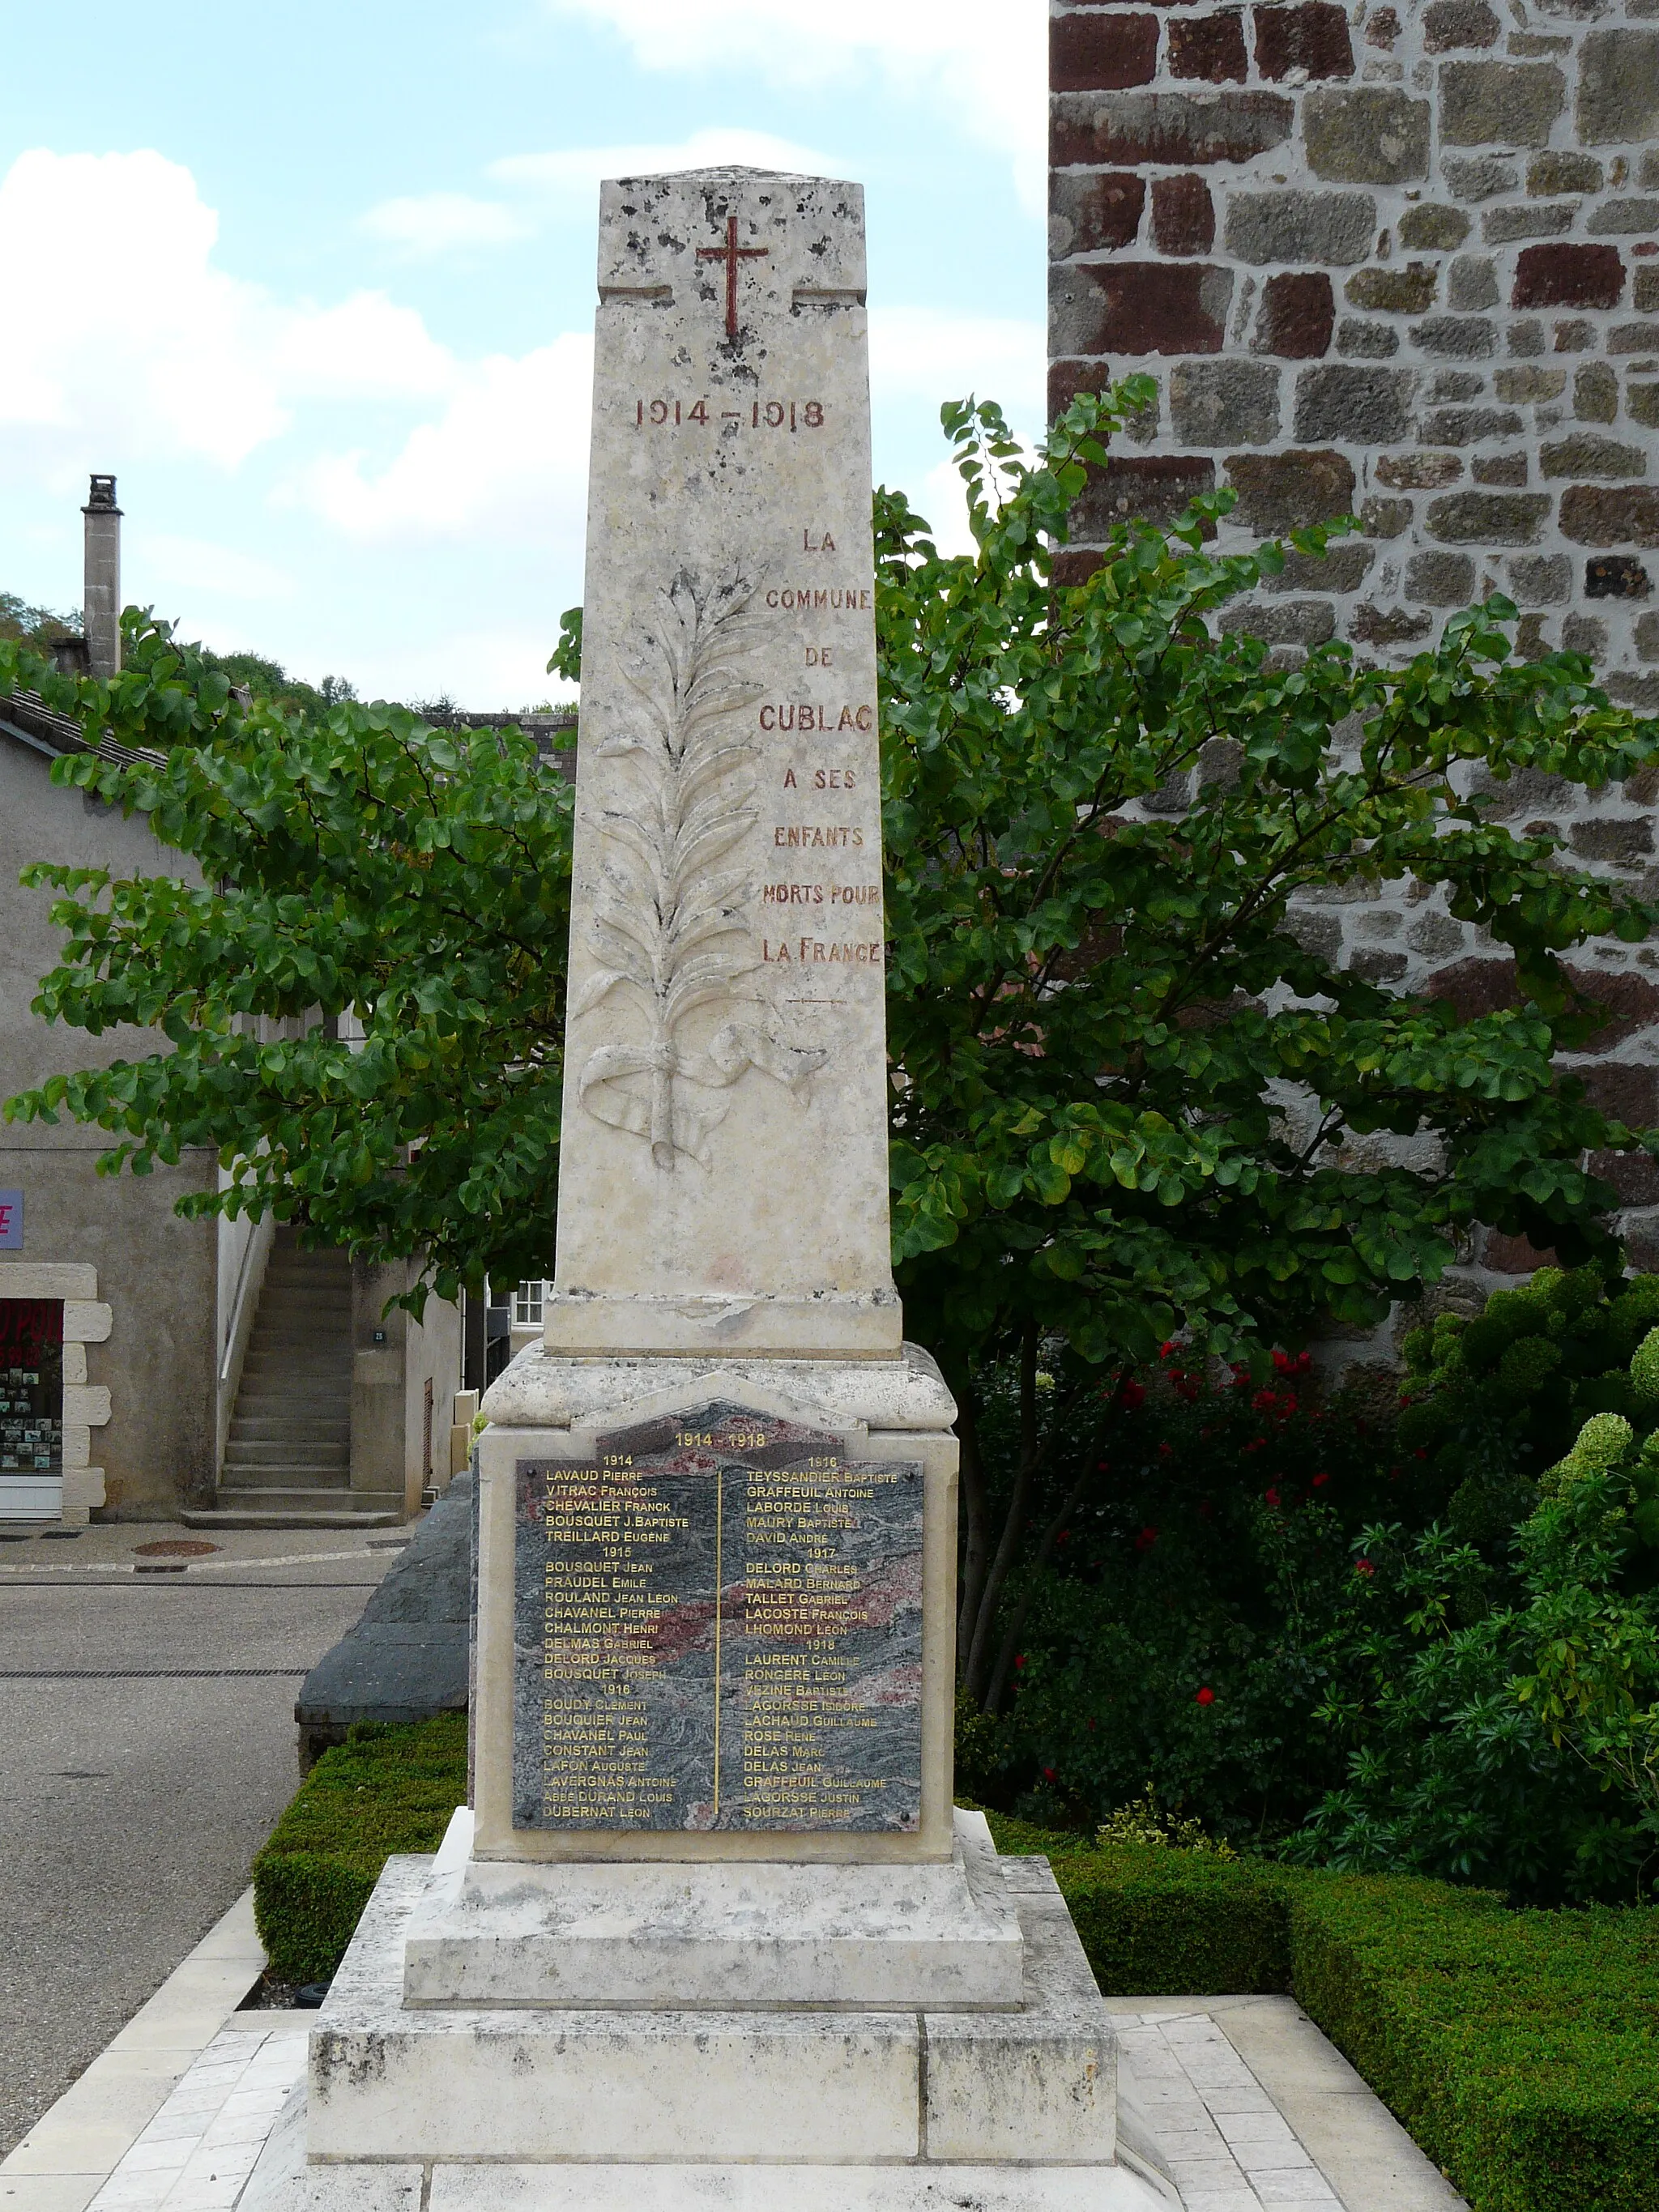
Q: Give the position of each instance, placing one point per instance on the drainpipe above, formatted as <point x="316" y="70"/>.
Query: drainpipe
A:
<point x="102" y="617"/>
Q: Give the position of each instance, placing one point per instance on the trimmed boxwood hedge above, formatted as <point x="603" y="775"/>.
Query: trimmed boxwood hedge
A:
<point x="1521" y="2049"/>
<point x="384" y="1789"/>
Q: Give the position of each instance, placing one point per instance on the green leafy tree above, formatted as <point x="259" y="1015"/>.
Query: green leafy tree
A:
<point x="1129" y="1095"/>
<point x="359" y="977"/>
<point x="1130" y="1104"/>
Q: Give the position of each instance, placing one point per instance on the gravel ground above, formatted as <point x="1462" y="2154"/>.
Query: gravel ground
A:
<point x="131" y="1803"/>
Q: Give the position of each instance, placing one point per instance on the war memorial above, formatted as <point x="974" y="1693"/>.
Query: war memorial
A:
<point x="711" y="1931"/>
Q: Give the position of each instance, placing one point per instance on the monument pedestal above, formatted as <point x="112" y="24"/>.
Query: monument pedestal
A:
<point x="885" y="2106"/>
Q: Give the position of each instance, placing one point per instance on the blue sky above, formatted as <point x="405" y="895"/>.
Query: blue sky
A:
<point x="317" y="283"/>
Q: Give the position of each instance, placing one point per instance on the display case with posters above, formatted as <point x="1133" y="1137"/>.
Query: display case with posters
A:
<point x="31" y="1409"/>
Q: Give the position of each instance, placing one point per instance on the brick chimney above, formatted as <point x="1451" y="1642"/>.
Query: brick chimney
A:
<point x="102" y="616"/>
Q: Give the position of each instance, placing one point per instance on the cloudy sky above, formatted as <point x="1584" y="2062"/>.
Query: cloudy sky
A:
<point x="317" y="283"/>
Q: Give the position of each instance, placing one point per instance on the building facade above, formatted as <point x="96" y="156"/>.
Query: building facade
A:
<point x="1399" y="261"/>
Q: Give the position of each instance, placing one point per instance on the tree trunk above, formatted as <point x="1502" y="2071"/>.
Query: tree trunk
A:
<point x="1013" y="1528"/>
<point x="976" y="1524"/>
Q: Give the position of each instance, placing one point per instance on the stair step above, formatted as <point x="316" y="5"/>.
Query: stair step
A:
<point x="320" y="1428"/>
<point x="299" y="1516"/>
<point x="297" y="1456"/>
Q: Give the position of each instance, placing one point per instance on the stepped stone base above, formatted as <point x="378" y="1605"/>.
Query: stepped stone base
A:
<point x="1011" y="2107"/>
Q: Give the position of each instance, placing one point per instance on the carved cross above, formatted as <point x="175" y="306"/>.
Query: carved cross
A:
<point x="730" y="253"/>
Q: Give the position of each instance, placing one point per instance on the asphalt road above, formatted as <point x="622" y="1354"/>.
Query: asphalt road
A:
<point x="132" y="1804"/>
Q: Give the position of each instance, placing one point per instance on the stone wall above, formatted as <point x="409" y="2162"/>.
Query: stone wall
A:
<point x="1400" y="260"/>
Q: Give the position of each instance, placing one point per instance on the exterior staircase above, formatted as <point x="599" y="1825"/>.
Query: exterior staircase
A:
<point x="287" y="1461"/>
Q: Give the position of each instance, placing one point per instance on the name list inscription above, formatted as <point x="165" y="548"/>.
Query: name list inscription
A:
<point x="719" y="1627"/>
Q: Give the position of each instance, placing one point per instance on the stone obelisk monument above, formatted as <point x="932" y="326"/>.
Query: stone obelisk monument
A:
<point x="710" y="1932"/>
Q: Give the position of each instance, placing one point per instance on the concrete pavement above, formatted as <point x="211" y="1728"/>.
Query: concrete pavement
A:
<point x="148" y="1746"/>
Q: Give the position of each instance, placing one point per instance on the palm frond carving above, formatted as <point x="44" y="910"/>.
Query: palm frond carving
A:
<point x="671" y="924"/>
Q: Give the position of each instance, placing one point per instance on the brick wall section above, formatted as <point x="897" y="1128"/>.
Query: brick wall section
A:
<point x="1401" y="261"/>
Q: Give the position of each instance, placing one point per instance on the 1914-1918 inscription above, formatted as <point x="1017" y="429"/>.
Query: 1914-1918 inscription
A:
<point x="718" y="1626"/>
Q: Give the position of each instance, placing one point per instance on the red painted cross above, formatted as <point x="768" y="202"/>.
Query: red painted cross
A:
<point x="730" y="253"/>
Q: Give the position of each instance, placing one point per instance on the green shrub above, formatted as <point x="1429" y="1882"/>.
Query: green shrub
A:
<point x="383" y="1790"/>
<point x="1518" y="2048"/>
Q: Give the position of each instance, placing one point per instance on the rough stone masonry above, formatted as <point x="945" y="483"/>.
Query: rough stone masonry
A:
<point x="1400" y="261"/>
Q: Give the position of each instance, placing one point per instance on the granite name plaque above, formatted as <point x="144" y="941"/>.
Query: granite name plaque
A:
<point x="718" y="1626"/>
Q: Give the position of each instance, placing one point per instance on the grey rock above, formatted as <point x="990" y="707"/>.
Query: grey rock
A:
<point x="1482" y="179"/>
<point x="1542" y="578"/>
<point x="1499" y="468"/>
<point x="1287" y="621"/>
<point x="1521" y="387"/>
<point x="1436" y="935"/>
<point x="1405" y="291"/>
<point x="1366" y="340"/>
<point x="1386" y="518"/>
<point x="1622" y="218"/>
<point x="1357" y="406"/>
<point x="1594" y="393"/>
<point x="1640" y="692"/>
<point x="1457" y="338"/>
<point x="1375" y="625"/>
<point x="1529" y="790"/>
<point x="1218" y="765"/>
<point x="1499" y="103"/>
<point x="1618" y="86"/>
<point x="1501" y="226"/>
<point x="1526" y="339"/>
<point x="1465" y="426"/>
<point x="1491" y="517"/>
<point x="1223" y="403"/>
<point x="406" y="1658"/>
<point x="1341" y="568"/>
<point x="1320" y="934"/>
<point x="1366" y="136"/>
<point x="1588" y="454"/>
<point x="1378" y="967"/>
<point x="1453" y="385"/>
<point x="1642" y="405"/>
<point x="1584" y="634"/>
<point x="1624" y="843"/>
<point x="1173" y="796"/>
<point x="1563" y="172"/>
<point x="1647" y="636"/>
<point x="1301" y="227"/>
<point x="1440" y="579"/>
<point x="1459" y="23"/>
<point x="1471" y="282"/>
<point x="1437" y="229"/>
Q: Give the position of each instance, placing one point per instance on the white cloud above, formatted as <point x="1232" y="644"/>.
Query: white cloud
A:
<point x="580" y="168"/>
<point x="139" y="346"/>
<point x="432" y="223"/>
<point x="987" y="55"/>
<point x="196" y="564"/>
<point x="508" y="455"/>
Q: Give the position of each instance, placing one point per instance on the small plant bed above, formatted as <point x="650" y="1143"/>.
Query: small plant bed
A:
<point x="384" y="1790"/>
<point x="1520" y="2049"/>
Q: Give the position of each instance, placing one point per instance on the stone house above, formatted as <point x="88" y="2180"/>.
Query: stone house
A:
<point x="153" y="1368"/>
<point x="1401" y="261"/>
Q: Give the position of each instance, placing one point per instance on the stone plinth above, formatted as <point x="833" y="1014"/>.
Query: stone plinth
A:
<point x="900" y="2105"/>
<point x="753" y="1936"/>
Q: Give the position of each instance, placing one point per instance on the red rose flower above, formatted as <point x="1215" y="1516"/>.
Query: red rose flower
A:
<point x="1320" y="1480"/>
<point x="1364" y="1567"/>
<point x="1206" y="1696"/>
<point x="1146" y="1540"/>
<point x="1272" y="1497"/>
